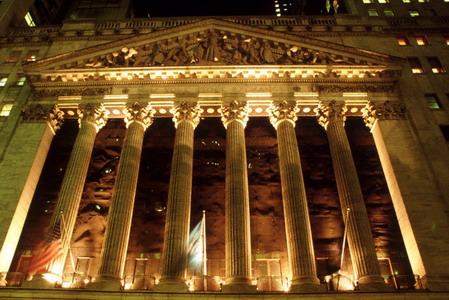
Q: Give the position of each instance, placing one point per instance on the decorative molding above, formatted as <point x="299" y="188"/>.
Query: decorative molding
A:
<point x="333" y="111"/>
<point x="186" y="112"/>
<point x="283" y="111"/>
<point x="235" y="111"/>
<point x="48" y="113"/>
<point x="388" y="110"/>
<point x="93" y="113"/>
<point x="52" y="92"/>
<point x="333" y="88"/>
<point x="139" y="112"/>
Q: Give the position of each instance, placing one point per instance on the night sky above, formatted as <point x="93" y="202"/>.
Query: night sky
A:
<point x="179" y="8"/>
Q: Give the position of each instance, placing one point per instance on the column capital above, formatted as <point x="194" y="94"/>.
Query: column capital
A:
<point x="186" y="112"/>
<point x="93" y="113"/>
<point x="140" y="112"/>
<point x="283" y="111"/>
<point x="389" y="110"/>
<point x="48" y="113"/>
<point x="333" y="111"/>
<point x="235" y="111"/>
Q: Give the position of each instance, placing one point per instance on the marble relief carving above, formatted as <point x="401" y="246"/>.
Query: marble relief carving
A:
<point x="212" y="47"/>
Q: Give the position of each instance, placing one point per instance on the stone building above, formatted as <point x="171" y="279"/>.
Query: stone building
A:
<point x="316" y="145"/>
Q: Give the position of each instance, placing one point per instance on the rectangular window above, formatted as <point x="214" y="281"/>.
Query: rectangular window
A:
<point x="31" y="55"/>
<point x="414" y="13"/>
<point x="406" y="1"/>
<point x="402" y="41"/>
<point x="435" y="65"/>
<point x="29" y="20"/>
<point x="13" y="56"/>
<point x="388" y="13"/>
<point x="432" y="101"/>
<point x="383" y="1"/>
<point x="21" y="80"/>
<point x="422" y="40"/>
<point x="368" y="1"/>
<point x="423" y="1"/>
<point x="3" y="80"/>
<point x="415" y="64"/>
<point x="372" y="13"/>
<point x="5" y="109"/>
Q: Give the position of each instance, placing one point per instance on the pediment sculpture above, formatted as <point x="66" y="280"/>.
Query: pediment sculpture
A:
<point x="213" y="47"/>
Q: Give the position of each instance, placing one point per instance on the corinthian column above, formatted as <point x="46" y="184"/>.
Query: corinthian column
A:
<point x="177" y="225"/>
<point x="92" y="117"/>
<point x="360" y="240"/>
<point x="138" y="119"/>
<point x="238" y="237"/>
<point x="296" y="214"/>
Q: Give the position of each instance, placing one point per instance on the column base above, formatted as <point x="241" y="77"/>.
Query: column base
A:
<point x="104" y="283"/>
<point x="435" y="282"/>
<point x="238" y="285"/>
<point x="38" y="282"/>
<point x="171" y="285"/>
<point x="306" y="285"/>
<point x="373" y="283"/>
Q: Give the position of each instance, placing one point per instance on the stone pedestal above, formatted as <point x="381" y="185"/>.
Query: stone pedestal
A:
<point x="138" y="118"/>
<point x="361" y="246"/>
<point x="177" y="224"/>
<point x="296" y="214"/>
<point x="238" y="238"/>
<point x="92" y="118"/>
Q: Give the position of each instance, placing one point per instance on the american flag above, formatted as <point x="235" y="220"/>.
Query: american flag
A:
<point x="50" y="250"/>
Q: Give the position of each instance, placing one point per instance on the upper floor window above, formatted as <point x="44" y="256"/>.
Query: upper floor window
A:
<point x="31" y="55"/>
<point x="435" y="65"/>
<point x="29" y="20"/>
<point x="422" y="1"/>
<point x="406" y="1"/>
<point x="415" y="65"/>
<point x="3" y="80"/>
<point x="383" y="1"/>
<point x="368" y="1"/>
<point x="5" y="109"/>
<point x="413" y="13"/>
<point x="388" y="13"/>
<point x="21" y="80"/>
<point x="402" y="41"/>
<point x="422" y="40"/>
<point x="13" y="56"/>
<point x="432" y="101"/>
<point x="372" y="13"/>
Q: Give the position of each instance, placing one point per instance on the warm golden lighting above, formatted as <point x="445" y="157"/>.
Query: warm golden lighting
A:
<point x="354" y="109"/>
<point x="52" y="278"/>
<point x="162" y="111"/>
<point x="115" y="97"/>
<point x="258" y="110"/>
<point x="210" y="110"/>
<point x="306" y="109"/>
<point x="169" y="95"/>
<point x="116" y="111"/>
<point x="70" y="112"/>
<point x="255" y="95"/>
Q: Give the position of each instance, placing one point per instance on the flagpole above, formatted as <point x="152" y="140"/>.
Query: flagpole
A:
<point x="68" y="242"/>
<point x="203" y="236"/>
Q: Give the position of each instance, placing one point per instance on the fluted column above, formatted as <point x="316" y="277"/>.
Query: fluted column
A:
<point x="92" y="117"/>
<point x="177" y="224"/>
<point x="138" y="119"/>
<point x="360" y="240"/>
<point x="296" y="214"/>
<point x="238" y="237"/>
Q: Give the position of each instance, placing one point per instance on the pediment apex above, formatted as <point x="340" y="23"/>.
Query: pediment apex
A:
<point x="211" y="42"/>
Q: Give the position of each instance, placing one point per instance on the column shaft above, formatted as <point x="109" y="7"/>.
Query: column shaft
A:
<point x="238" y="239"/>
<point x="296" y="214"/>
<point x="121" y="211"/>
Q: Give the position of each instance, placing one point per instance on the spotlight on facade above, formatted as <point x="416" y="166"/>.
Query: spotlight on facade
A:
<point x="52" y="278"/>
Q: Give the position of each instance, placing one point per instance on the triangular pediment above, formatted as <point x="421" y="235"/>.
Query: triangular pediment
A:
<point x="211" y="42"/>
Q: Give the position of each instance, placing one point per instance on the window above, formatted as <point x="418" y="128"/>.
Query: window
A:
<point x="31" y="55"/>
<point x="5" y="109"/>
<point x="406" y="1"/>
<point x="3" y="80"/>
<point x="13" y="56"/>
<point x="445" y="131"/>
<point x="415" y="64"/>
<point x="422" y="40"/>
<point x="432" y="101"/>
<point x="388" y="13"/>
<point x="21" y="80"/>
<point x="383" y="1"/>
<point x="435" y="65"/>
<point x="29" y="20"/>
<point x="402" y="41"/>
<point x="372" y="13"/>
<point x="414" y="13"/>
<point x="423" y="1"/>
<point x="368" y="1"/>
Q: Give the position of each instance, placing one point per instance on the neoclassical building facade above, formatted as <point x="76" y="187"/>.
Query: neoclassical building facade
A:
<point x="223" y="70"/>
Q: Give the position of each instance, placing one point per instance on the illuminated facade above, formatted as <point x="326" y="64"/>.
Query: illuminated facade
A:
<point x="282" y="128"/>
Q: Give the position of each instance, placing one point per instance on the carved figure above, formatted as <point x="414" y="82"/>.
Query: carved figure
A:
<point x="213" y="50"/>
<point x="266" y="54"/>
